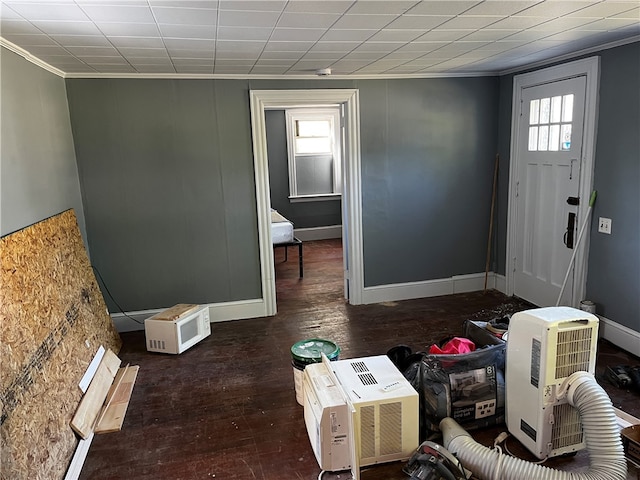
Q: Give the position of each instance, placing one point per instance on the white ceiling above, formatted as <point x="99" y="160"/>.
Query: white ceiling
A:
<point x="263" y="38"/>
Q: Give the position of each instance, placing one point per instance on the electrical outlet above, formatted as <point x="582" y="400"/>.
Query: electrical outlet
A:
<point x="604" y="225"/>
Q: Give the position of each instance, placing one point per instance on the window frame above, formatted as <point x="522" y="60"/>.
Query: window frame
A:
<point x="314" y="113"/>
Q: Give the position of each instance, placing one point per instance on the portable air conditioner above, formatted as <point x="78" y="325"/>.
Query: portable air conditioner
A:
<point x="362" y="409"/>
<point x="544" y="347"/>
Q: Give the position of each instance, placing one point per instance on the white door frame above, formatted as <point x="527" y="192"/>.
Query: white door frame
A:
<point x="590" y="68"/>
<point x="261" y="100"/>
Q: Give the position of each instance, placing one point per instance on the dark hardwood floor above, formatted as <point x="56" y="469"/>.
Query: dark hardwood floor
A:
<point x="226" y="408"/>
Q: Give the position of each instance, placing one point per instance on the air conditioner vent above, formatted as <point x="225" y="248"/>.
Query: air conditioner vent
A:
<point x="367" y="432"/>
<point x="573" y="351"/>
<point x="390" y="428"/>
<point x="360" y="367"/>
<point x="367" y="379"/>
<point x="567" y="429"/>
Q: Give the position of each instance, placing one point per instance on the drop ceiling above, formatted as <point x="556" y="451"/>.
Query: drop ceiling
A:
<point x="267" y="38"/>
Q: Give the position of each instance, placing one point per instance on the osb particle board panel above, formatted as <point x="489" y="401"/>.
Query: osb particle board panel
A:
<point x="52" y="320"/>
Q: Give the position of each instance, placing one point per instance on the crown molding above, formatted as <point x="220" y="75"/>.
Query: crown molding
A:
<point x="30" y="58"/>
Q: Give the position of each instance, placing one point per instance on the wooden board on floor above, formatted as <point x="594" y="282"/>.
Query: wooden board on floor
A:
<point x="53" y="319"/>
<point x="91" y="404"/>
<point x="112" y="416"/>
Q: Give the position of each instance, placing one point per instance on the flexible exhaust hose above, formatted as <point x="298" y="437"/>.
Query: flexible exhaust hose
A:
<point x="601" y="432"/>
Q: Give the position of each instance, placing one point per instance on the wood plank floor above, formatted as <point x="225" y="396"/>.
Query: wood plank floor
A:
<point x="226" y="408"/>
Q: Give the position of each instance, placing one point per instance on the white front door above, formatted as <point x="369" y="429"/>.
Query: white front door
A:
<point x="548" y="197"/>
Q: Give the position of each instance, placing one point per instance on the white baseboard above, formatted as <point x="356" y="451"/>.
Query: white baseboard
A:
<point x="218" y="312"/>
<point x="619" y="335"/>
<point x="429" y="288"/>
<point x="318" y="233"/>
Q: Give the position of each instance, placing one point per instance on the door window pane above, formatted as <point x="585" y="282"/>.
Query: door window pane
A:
<point x="565" y="135"/>
<point x="313" y="128"/>
<point x="534" y="112"/>
<point x="313" y="145"/>
<point x="545" y="110"/>
<point x="556" y="104"/>
<point x="543" y="138"/>
<point x="567" y="108"/>
<point x="554" y="137"/>
<point x="533" y="139"/>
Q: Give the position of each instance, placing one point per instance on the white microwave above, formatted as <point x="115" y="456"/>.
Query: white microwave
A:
<point x="178" y="328"/>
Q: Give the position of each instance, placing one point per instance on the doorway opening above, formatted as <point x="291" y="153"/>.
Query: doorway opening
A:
<point x="348" y="100"/>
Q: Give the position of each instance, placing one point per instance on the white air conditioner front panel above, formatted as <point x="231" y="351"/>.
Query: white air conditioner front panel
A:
<point x="545" y="346"/>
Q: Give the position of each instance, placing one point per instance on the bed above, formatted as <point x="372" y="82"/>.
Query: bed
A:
<point x="282" y="236"/>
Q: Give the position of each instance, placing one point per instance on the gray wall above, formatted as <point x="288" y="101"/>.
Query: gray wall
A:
<point x="166" y="170"/>
<point x="39" y="174"/>
<point x="167" y="179"/>
<point x="428" y="149"/>
<point x="614" y="260"/>
<point x="302" y="214"/>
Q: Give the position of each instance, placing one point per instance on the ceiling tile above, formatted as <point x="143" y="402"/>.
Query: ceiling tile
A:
<point x="489" y="35"/>
<point x="232" y="18"/>
<point x="396" y="7"/>
<point x="82" y="40"/>
<point x="318" y="7"/>
<point x="42" y="50"/>
<point x="471" y="21"/>
<point x="193" y="61"/>
<point x="8" y="14"/>
<point x="51" y="27"/>
<point x="297" y="34"/>
<point x="129" y="29"/>
<point x="121" y="13"/>
<point x="443" y="35"/>
<point x="274" y="46"/>
<point x="185" y="16"/>
<point x="212" y="4"/>
<point x="393" y="35"/>
<point x="238" y="54"/>
<point x="135" y="61"/>
<point x="48" y="11"/>
<point x="323" y="46"/>
<point x="364" y="21"/>
<point x="633" y="14"/>
<point x="195" y="70"/>
<point x="281" y="55"/>
<point x="251" y="47"/>
<point x="143" y="52"/>
<point x="443" y="7"/>
<point x="501" y="8"/>
<point x="607" y="24"/>
<point x="18" y="27"/>
<point x="104" y="60"/>
<point x="137" y="42"/>
<point x="307" y="20"/>
<point x="562" y="23"/>
<point x="244" y="33"/>
<point x="29" y="40"/>
<point x="347" y="35"/>
<point x="518" y="23"/>
<point x="207" y="32"/>
<point x="182" y="53"/>
<point x="424" y="22"/>
<point x="555" y="8"/>
<point x="256" y="5"/>
<point x="189" y="44"/>
<point x="113" y="68"/>
<point x="93" y="51"/>
<point x="232" y="70"/>
<point x="233" y="62"/>
<point x="154" y="68"/>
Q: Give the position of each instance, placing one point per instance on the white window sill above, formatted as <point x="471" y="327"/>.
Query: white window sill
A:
<point x="315" y="198"/>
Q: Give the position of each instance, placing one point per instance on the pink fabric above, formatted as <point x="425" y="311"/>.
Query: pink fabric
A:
<point x="454" y="346"/>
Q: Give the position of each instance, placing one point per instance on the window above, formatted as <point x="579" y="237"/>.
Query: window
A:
<point x="550" y="123"/>
<point x="313" y="144"/>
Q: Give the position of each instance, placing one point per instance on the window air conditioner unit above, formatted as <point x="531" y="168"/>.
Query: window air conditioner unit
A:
<point x="362" y="409"/>
<point x="544" y="347"/>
